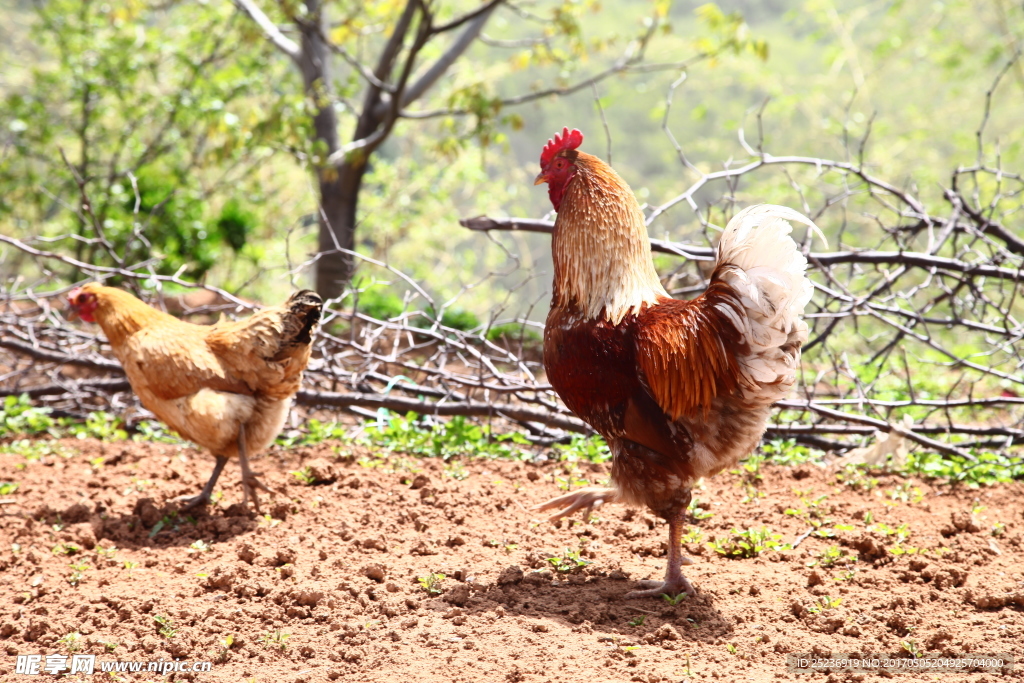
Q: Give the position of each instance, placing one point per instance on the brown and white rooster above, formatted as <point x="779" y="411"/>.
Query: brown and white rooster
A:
<point x="679" y="389"/>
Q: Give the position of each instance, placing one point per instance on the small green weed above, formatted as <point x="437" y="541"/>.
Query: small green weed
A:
<point x="570" y="482"/>
<point x="816" y="514"/>
<point x="72" y="641"/>
<point x="431" y="583"/>
<point x="457" y="436"/>
<point x="66" y="549"/>
<point x="693" y="535"/>
<point x="172" y="522"/>
<point x="832" y="556"/>
<point x="824" y="603"/>
<point x="305" y="476"/>
<point x="98" y="425"/>
<point x="167" y="629"/>
<point x="750" y="469"/>
<point x="584" y="448"/>
<point x="226" y="642"/>
<point x="568" y="562"/>
<point x="912" y="648"/>
<point x="456" y="470"/>
<point x="36" y="450"/>
<point x="787" y="452"/>
<point x="855" y="477"/>
<point x="674" y="599"/>
<point x="906" y="493"/>
<point x="509" y="546"/>
<point x="696" y="511"/>
<point x="19" y="416"/>
<point x="78" y="572"/>
<point x="316" y="432"/>
<point x="152" y="431"/>
<point x="8" y="487"/>
<point x="987" y="469"/>
<point x="747" y="544"/>
<point x="277" y="638"/>
<point x="901" y="533"/>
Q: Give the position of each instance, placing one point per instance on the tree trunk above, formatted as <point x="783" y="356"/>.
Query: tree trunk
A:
<point x="339" y="197"/>
<point x="339" y="185"/>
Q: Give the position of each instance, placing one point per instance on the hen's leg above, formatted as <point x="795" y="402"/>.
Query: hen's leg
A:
<point x="674" y="582"/>
<point x="584" y="499"/>
<point x="250" y="482"/>
<point x="203" y="498"/>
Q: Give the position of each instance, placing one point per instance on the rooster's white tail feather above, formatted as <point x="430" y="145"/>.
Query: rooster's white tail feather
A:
<point x="768" y="279"/>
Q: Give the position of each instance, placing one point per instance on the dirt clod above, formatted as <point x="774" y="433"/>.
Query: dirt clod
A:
<point x="513" y="574"/>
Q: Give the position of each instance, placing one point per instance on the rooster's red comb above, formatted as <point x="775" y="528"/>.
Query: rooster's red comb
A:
<point x="567" y="140"/>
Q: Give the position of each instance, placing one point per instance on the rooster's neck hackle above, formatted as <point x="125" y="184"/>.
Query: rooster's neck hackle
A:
<point x="601" y="249"/>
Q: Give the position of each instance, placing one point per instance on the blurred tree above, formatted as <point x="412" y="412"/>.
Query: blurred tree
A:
<point x="149" y="114"/>
<point x="369" y="63"/>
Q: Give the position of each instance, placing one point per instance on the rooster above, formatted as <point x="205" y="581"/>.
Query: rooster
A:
<point x="227" y="387"/>
<point x="679" y="389"/>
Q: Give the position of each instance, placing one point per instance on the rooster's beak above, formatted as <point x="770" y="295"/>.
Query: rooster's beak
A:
<point x="541" y="178"/>
<point x="72" y="314"/>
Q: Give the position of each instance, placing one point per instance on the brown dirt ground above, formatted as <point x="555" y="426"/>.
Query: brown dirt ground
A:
<point x="335" y="565"/>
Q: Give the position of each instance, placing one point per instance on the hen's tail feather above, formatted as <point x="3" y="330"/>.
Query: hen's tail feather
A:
<point x="304" y="309"/>
<point x="762" y="265"/>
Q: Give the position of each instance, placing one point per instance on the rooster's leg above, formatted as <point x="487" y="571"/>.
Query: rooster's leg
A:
<point x="250" y="482"/>
<point x="674" y="582"/>
<point x="584" y="499"/>
<point x="203" y="498"/>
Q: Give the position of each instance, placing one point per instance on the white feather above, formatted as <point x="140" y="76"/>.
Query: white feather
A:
<point x="770" y="284"/>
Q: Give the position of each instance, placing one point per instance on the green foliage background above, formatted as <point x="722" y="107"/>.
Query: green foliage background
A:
<point x="214" y="132"/>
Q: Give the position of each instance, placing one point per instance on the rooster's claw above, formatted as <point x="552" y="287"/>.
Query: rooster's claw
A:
<point x="670" y="588"/>
<point x="587" y="499"/>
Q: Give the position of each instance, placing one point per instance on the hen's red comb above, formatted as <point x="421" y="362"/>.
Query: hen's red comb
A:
<point x="567" y="140"/>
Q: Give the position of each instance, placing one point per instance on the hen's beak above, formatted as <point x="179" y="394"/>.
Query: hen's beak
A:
<point x="72" y="314"/>
<point x="542" y="177"/>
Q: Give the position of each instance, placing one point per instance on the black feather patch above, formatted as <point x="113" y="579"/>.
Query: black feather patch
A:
<point x="306" y="306"/>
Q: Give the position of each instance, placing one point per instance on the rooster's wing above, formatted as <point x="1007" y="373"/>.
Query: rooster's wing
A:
<point x="687" y="351"/>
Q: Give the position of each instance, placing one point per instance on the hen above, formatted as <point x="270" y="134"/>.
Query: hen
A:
<point x="679" y="389"/>
<point x="227" y="387"/>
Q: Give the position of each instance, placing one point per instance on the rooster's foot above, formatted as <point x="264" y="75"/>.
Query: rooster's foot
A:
<point x="654" y="589"/>
<point x="584" y="499"/>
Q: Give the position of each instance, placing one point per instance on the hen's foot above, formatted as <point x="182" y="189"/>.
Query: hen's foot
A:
<point x="654" y="589"/>
<point x="584" y="499"/>
<point x="192" y="502"/>
<point x="250" y="483"/>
